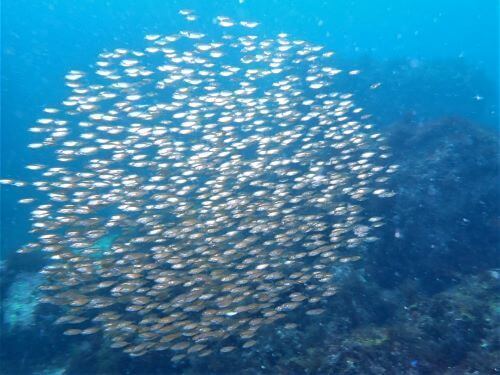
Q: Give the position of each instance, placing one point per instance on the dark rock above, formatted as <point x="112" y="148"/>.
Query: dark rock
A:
<point x="445" y="214"/>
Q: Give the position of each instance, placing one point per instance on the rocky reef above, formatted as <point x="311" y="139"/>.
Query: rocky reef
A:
<point x="21" y="301"/>
<point x="444" y="218"/>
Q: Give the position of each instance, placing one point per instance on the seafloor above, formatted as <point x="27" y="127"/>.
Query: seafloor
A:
<point x="424" y="299"/>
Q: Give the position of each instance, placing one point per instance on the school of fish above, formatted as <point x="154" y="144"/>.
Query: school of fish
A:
<point x="227" y="176"/>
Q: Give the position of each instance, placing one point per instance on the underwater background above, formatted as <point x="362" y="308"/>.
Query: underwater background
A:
<point x="422" y="300"/>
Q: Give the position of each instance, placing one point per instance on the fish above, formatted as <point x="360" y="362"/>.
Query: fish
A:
<point x="202" y="188"/>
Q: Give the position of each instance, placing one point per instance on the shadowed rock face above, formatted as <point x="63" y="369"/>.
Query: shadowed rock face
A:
<point x="445" y="215"/>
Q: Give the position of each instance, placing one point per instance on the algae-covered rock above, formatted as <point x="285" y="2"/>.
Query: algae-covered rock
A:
<point x="21" y="301"/>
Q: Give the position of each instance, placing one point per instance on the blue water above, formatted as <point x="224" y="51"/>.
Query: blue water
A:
<point x="435" y="60"/>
